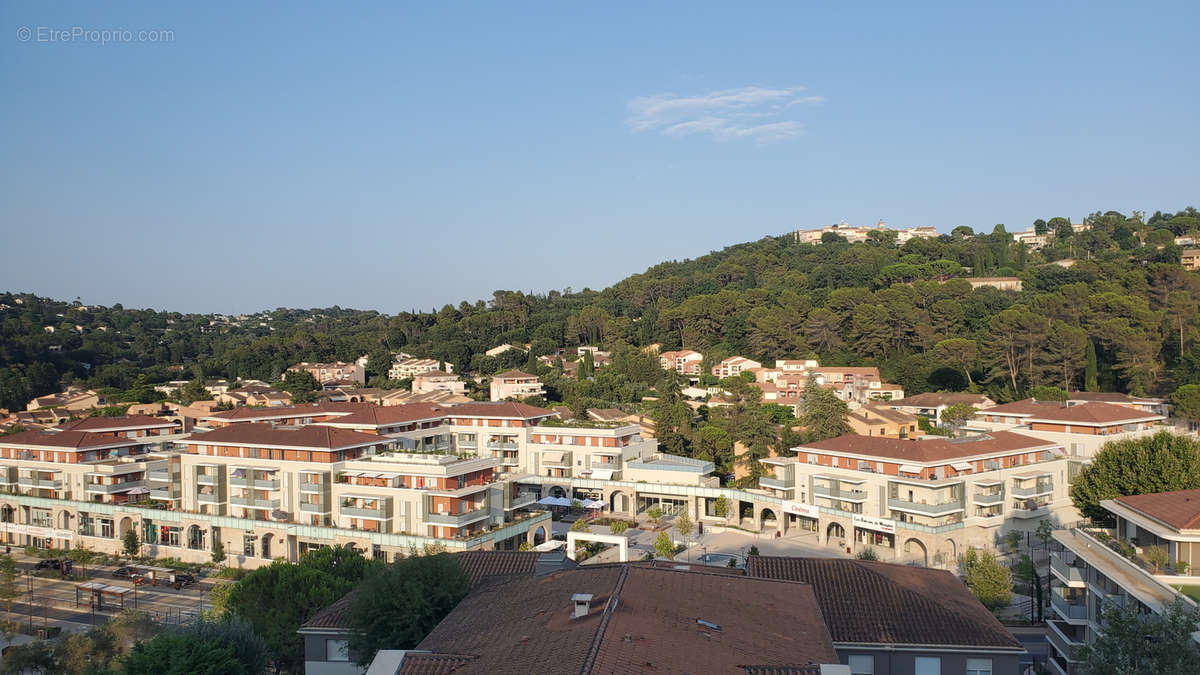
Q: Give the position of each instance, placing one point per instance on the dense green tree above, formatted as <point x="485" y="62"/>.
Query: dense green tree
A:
<point x="664" y="547"/>
<point x="823" y="414"/>
<point x="956" y="415"/>
<point x="1157" y="463"/>
<point x="396" y="607"/>
<point x="960" y="352"/>
<point x="1144" y="642"/>
<point x="988" y="579"/>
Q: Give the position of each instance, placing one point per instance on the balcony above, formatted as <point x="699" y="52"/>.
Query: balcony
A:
<point x="1044" y="488"/>
<point x="456" y="519"/>
<point x="113" y="488"/>
<point x="162" y="493"/>
<point x="376" y="513"/>
<point x="252" y="503"/>
<point x="839" y="494"/>
<point x="988" y="499"/>
<point x="496" y="445"/>
<point x="206" y="479"/>
<point x="1033" y="511"/>
<point x="1071" y="575"/>
<point x="1070" y="611"/>
<point x="159" y="476"/>
<point x="39" y="483"/>
<point x="1059" y="637"/>
<point x="255" y="483"/>
<point x="522" y="500"/>
<point x="309" y="507"/>
<point x="774" y="484"/>
<point x="312" y="488"/>
<point x="210" y="498"/>
<point x="942" y="509"/>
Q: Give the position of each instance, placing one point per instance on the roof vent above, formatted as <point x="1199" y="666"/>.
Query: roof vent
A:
<point x="708" y="624"/>
<point x="583" y="604"/>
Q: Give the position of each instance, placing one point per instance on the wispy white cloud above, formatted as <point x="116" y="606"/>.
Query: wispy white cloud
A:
<point x="749" y="113"/>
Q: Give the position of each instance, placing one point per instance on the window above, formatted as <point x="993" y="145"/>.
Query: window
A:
<point x="337" y="650"/>
<point x="927" y="665"/>
<point x="979" y="667"/>
<point x="861" y="664"/>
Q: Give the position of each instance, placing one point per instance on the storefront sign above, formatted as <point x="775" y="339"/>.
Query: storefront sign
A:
<point x="35" y="531"/>
<point x="877" y="524"/>
<point x="801" y="509"/>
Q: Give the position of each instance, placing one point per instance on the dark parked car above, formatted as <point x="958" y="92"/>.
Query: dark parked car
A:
<point x="183" y="579"/>
<point x="126" y="572"/>
<point x="49" y="564"/>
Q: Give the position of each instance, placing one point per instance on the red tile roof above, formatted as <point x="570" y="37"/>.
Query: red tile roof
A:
<point x="376" y="415"/>
<point x="113" y="423"/>
<point x="79" y="440"/>
<point x="502" y="409"/>
<point x="883" y="603"/>
<point x="1110" y="397"/>
<point x="928" y="449"/>
<point x="508" y="374"/>
<point x="314" y="436"/>
<point x="1179" y="509"/>
<point x="641" y="619"/>
<point x="1024" y="408"/>
<point x="932" y="399"/>
<point x="433" y="664"/>
<point x="326" y="408"/>
<point x="1092" y="413"/>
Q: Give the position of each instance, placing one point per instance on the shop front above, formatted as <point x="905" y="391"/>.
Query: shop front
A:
<point x="874" y="531"/>
<point x="800" y="516"/>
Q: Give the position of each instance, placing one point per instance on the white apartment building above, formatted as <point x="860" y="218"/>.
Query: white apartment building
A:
<point x="1092" y="571"/>
<point x="436" y="380"/>
<point x="684" y="361"/>
<point x="332" y="372"/>
<point x="515" y="384"/>
<point x="411" y="367"/>
<point x="926" y="499"/>
<point x="733" y="366"/>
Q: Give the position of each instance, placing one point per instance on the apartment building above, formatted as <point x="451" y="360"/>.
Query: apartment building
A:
<point x="999" y="283"/>
<point x="515" y="384"/>
<point x="931" y="404"/>
<point x="684" y="362"/>
<point x="1105" y="566"/>
<point x="879" y="420"/>
<point x="1081" y="429"/>
<point x="411" y="367"/>
<point x="734" y="366"/>
<point x="1031" y="239"/>
<point x="71" y="400"/>
<point x="856" y="234"/>
<point x="438" y="380"/>
<point x="329" y="372"/>
<point x="1191" y="259"/>
<point x="856" y="385"/>
<point x="1152" y="406"/>
<point x="924" y="500"/>
<point x="133" y="426"/>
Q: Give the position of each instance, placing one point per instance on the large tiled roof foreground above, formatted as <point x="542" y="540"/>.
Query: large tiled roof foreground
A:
<point x="1179" y="509"/>
<point x="642" y="619"/>
<point x="79" y="440"/>
<point x="928" y="449"/>
<point x="98" y="423"/>
<point x="875" y="602"/>
<point x="308" y="436"/>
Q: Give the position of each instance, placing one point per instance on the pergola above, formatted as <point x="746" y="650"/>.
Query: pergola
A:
<point x="97" y="594"/>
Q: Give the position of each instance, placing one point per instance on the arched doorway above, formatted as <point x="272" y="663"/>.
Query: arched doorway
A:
<point x="618" y="502"/>
<point x="557" y="491"/>
<point x="766" y="518"/>
<point x="64" y="520"/>
<point x="915" y="549"/>
<point x="266" y="545"/>
<point x="195" y="538"/>
<point x="7" y="514"/>
<point x="539" y="536"/>
<point x="835" y="531"/>
<point x="949" y="551"/>
<point x="125" y="525"/>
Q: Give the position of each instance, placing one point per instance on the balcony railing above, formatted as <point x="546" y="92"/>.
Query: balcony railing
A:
<point x="309" y="507"/>
<point x="926" y="509"/>
<point x="522" y="500"/>
<point x="42" y="483"/>
<point x="377" y="513"/>
<point x="456" y="519"/>
<point x="1072" y="611"/>
<point x="206" y="479"/>
<point x="1030" y="512"/>
<point x="210" y="498"/>
<point x="312" y="488"/>
<point x="252" y="503"/>
<point x="159" y="476"/>
<point x="988" y="499"/>
<point x="1033" y="490"/>
<point x="839" y="494"/>
<point x="1067" y="572"/>
<point x="1061" y="642"/>
<point x="256" y="483"/>
<point x="162" y="493"/>
<point x="111" y="488"/>
<point x="774" y="483"/>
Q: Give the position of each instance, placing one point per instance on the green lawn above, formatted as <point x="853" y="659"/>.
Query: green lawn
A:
<point x="1192" y="592"/>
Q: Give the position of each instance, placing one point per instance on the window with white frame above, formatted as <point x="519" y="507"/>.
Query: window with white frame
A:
<point x="861" y="664"/>
<point x="927" y="665"/>
<point x="337" y="650"/>
<point x="979" y="667"/>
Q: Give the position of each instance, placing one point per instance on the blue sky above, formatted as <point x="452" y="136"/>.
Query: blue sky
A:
<point x="392" y="157"/>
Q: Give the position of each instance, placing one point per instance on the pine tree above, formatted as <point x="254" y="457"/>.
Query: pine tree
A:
<point x="1089" y="370"/>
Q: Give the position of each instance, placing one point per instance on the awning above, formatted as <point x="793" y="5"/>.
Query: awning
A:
<point x="239" y="473"/>
<point x="909" y="468"/>
<point x="603" y="474"/>
<point x="552" y="458"/>
<point x="139" y="491"/>
<point x="593" y="504"/>
<point x="962" y="466"/>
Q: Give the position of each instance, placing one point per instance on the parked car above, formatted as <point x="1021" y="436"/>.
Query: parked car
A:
<point x="48" y="564"/>
<point x="181" y="579"/>
<point x="126" y="572"/>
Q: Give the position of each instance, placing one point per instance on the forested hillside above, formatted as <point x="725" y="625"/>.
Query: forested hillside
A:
<point x="1122" y="317"/>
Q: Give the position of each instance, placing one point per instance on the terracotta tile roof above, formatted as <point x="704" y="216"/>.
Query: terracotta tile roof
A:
<point x="1109" y="397"/>
<point x="928" y="449"/>
<point x="80" y="440"/>
<point x="326" y="408"/>
<point x="376" y="415"/>
<point x="111" y="423"/>
<point x="641" y="619"/>
<point x="793" y="669"/>
<point x="607" y="414"/>
<point x="884" y="603"/>
<point x="314" y="436"/>
<point x="1179" y="509"/>
<point x="480" y="565"/>
<point x="1092" y="413"/>
<point x="433" y="374"/>
<point x="513" y="374"/>
<point x="433" y="664"/>
<point x="335" y="617"/>
<point x="504" y="409"/>
<point x="933" y="399"/>
<point x="1026" y="407"/>
<point x="878" y="414"/>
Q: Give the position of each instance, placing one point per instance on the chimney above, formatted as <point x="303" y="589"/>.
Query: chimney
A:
<point x="583" y="604"/>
